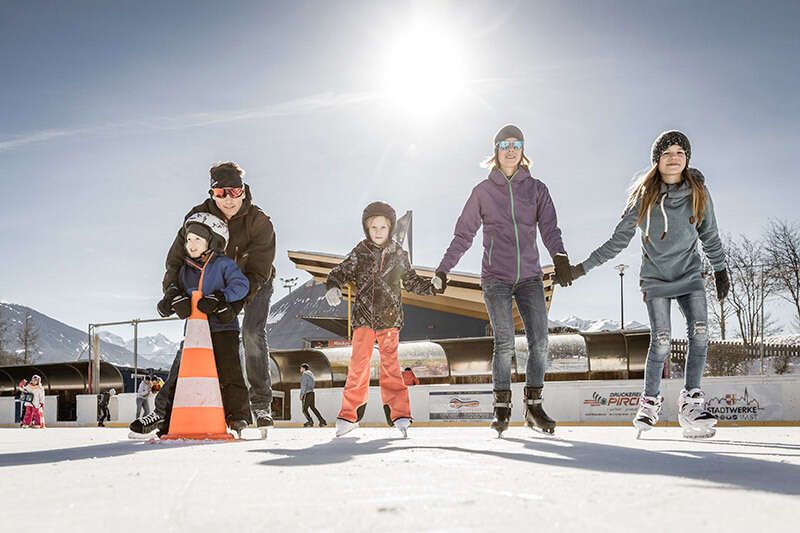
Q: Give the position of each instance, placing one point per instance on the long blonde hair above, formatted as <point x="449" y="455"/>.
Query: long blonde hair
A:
<point x="647" y="190"/>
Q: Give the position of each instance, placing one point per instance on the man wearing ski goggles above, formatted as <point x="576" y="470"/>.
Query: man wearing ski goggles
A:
<point x="222" y="192"/>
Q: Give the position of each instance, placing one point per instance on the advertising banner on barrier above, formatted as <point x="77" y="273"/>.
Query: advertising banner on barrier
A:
<point x="609" y="404"/>
<point x="736" y="403"/>
<point x="460" y="405"/>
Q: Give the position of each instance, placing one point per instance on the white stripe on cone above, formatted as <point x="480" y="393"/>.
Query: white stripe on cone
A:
<point x="198" y="335"/>
<point x="197" y="392"/>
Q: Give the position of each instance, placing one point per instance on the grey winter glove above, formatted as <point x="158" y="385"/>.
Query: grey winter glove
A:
<point x="577" y="271"/>
<point x="563" y="272"/>
<point x="334" y="296"/>
<point x="723" y="284"/>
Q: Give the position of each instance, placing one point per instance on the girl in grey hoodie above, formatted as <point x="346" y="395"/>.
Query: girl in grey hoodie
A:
<point x="672" y="207"/>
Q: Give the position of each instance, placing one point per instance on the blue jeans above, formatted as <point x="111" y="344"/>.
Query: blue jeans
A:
<point x="695" y="309"/>
<point x="256" y="349"/>
<point x="529" y="295"/>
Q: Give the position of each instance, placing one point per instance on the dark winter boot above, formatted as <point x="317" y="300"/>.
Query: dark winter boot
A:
<point x="535" y="417"/>
<point x="502" y="411"/>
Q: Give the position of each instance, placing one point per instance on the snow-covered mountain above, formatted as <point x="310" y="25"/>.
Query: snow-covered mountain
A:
<point x="603" y="324"/>
<point x="58" y="342"/>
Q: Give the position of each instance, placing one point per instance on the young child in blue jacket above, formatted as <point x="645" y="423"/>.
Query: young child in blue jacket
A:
<point x="224" y="290"/>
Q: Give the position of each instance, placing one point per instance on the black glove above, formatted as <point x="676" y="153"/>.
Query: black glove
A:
<point x="227" y="312"/>
<point x="563" y="272"/>
<point x="723" y="283"/>
<point x="164" y="306"/>
<point x="209" y="304"/>
<point x="577" y="271"/>
<point x="182" y="305"/>
<point x="443" y="278"/>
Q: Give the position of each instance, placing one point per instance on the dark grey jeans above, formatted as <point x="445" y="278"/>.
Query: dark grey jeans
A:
<point x="529" y="295"/>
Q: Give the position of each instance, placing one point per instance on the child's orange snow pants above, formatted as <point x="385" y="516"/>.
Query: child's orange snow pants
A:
<point x="394" y="392"/>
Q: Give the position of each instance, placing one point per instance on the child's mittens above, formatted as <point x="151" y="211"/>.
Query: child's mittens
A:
<point x="182" y="305"/>
<point x="164" y="306"/>
<point x="210" y="303"/>
<point x="227" y="312"/>
<point x="334" y="296"/>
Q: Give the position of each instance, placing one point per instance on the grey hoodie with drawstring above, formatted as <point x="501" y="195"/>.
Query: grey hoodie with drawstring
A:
<point x="671" y="262"/>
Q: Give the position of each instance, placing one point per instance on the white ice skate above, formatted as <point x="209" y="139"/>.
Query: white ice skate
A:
<point x="402" y="424"/>
<point x="647" y="415"/>
<point x="343" y="427"/>
<point x="696" y="421"/>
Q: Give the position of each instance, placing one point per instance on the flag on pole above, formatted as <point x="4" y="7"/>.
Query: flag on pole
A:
<point x="403" y="234"/>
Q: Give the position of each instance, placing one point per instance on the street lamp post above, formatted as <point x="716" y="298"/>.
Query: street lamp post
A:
<point x="621" y="269"/>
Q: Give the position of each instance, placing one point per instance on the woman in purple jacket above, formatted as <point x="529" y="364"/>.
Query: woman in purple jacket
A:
<point x="511" y="204"/>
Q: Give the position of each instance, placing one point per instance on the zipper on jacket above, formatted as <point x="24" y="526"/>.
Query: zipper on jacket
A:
<point x="375" y="282"/>
<point x="491" y="247"/>
<point x="514" y="220"/>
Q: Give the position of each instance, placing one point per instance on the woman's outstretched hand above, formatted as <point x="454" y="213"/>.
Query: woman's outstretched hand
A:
<point x="577" y="271"/>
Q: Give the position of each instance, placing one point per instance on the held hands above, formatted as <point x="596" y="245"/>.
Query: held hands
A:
<point x="723" y="284"/>
<point x="577" y="271"/>
<point x="334" y="296"/>
<point x="439" y="282"/>
<point x="563" y="273"/>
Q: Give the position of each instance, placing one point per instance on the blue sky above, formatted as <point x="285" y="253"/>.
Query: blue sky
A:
<point x="112" y="113"/>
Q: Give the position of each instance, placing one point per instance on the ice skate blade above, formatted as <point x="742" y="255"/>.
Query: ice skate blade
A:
<point x="642" y="427"/>
<point x="542" y="431"/>
<point x="342" y="431"/>
<point x="248" y="434"/>
<point x="141" y="436"/>
<point x="699" y="433"/>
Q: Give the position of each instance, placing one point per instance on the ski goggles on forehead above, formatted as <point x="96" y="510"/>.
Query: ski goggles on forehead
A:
<point x="505" y="145"/>
<point x="222" y="192"/>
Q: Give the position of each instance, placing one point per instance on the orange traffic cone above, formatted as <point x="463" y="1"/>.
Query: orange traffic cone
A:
<point x="197" y="411"/>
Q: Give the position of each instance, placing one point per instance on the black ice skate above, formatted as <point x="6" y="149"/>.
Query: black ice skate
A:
<point x="535" y="417"/>
<point x="142" y="427"/>
<point x="264" y="421"/>
<point x="502" y="411"/>
<point x="236" y="426"/>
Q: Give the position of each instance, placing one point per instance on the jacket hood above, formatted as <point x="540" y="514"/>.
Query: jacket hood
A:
<point x="678" y="190"/>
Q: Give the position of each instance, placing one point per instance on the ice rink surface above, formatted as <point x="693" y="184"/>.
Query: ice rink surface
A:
<point x="439" y="479"/>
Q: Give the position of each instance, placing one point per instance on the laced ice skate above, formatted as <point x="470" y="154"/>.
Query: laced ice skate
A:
<point x="697" y="422"/>
<point x="647" y="415"/>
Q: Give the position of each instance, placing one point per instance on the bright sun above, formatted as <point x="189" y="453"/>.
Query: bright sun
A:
<point x="424" y="71"/>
